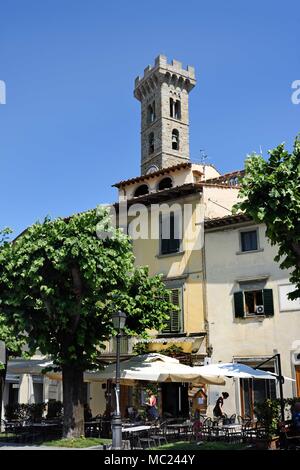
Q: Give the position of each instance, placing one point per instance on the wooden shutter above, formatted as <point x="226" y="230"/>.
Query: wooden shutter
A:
<point x="164" y="242"/>
<point x="174" y="324"/>
<point x="298" y="380"/>
<point x="168" y="322"/>
<point x="174" y="228"/>
<point x="176" y="314"/>
<point x="170" y="244"/>
<point x="268" y="302"/>
<point x="239" y="304"/>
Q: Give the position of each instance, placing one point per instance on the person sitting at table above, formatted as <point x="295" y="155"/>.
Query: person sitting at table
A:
<point x="87" y="413"/>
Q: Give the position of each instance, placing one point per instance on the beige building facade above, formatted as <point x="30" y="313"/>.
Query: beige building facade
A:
<point x="250" y="318"/>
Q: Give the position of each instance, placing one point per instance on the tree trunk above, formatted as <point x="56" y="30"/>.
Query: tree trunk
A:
<point x="73" y="425"/>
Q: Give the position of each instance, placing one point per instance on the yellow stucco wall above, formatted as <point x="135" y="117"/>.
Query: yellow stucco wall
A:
<point x="97" y="398"/>
<point x="186" y="264"/>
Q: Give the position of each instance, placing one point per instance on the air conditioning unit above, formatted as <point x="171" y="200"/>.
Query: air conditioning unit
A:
<point x="296" y="357"/>
<point x="259" y="309"/>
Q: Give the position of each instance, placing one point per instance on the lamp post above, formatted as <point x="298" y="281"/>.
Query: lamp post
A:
<point x="118" y="319"/>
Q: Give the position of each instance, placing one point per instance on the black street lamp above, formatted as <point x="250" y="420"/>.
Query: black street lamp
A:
<point x="119" y="320"/>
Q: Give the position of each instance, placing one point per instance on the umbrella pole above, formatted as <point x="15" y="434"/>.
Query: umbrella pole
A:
<point x="280" y="378"/>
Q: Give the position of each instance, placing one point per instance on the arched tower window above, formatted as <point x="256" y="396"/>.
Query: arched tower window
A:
<point x="151" y="142"/>
<point x="165" y="183"/>
<point x="175" y="139"/>
<point x="171" y="107"/>
<point x="151" y="113"/>
<point x="175" y="109"/>
<point x="141" y="190"/>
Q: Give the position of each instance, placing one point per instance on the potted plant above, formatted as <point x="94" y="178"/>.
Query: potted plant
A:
<point x="268" y="418"/>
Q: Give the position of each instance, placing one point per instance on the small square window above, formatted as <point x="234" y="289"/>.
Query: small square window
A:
<point x="249" y="241"/>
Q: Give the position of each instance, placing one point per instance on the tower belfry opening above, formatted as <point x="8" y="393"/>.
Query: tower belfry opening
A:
<point x="163" y="92"/>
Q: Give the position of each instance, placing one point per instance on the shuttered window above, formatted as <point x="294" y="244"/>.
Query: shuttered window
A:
<point x="123" y="345"/>
<point x="174" y="324"/>
<point x="250" y="303"/>
<point x="239" y="305"/>
<point x="169" y="234"/>
<point x="268" y="302"/>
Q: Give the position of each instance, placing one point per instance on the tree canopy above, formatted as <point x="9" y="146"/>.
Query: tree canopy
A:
<point x="13" y="342"/>
<point x="60" y="283"/>
<point x="270" y="192"/>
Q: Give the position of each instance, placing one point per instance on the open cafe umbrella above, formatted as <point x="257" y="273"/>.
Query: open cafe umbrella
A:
<point x="235" y="369"/>
<point x="151" y="368"/>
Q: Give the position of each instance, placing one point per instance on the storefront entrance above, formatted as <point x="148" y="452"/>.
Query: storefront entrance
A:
<point x="175" y="402"/>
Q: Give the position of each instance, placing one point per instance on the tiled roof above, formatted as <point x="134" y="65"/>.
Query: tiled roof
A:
<point x="227" y="220"/>
<point x="163" y="171"/>
<point x="165" y="194"/>
<point x="230" y="179"/>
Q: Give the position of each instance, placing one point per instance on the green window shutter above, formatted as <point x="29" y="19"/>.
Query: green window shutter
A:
<point x="168" y="322"/>
<point x="176" y="314"/>
<point x="268" y="302"/>
<point x="174" y="324"/>
<point x="239" y="304"/>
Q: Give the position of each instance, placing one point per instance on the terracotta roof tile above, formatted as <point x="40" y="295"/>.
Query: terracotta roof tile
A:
<point x="152" y="175"/>
<point x="227" y="220"/>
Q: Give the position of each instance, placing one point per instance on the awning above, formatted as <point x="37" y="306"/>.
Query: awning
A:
<point x="183" y="339"/>
<point x="27" y="366"/>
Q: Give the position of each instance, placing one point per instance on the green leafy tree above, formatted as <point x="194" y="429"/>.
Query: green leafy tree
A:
<point x="60" y="284"/>
<point x="270" y="193"/>
<point x="12" y="343"/>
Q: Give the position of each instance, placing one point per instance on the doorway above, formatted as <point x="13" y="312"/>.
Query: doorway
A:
<point x="298" y="380"/>
<point x="175" y="402"/>
<point x="255" y="391"/>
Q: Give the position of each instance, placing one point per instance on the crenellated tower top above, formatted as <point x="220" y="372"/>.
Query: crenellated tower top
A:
<point x="163" y="92"/>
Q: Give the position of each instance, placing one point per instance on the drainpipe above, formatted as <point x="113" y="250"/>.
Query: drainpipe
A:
<point x="205" y="306"/>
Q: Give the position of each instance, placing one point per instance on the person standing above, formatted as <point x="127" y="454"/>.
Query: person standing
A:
<point x="218" y="409"/>
<point x="152" y="405"/>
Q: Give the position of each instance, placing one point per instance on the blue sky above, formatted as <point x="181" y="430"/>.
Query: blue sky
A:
<point x="71" y="126"/>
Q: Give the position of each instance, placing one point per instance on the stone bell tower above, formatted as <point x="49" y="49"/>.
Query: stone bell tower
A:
<point x="164" y="95"/>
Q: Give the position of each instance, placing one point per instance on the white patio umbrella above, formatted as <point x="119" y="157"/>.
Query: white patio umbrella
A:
<point x="235" y="369"/>
<point x="151" y="368"/>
